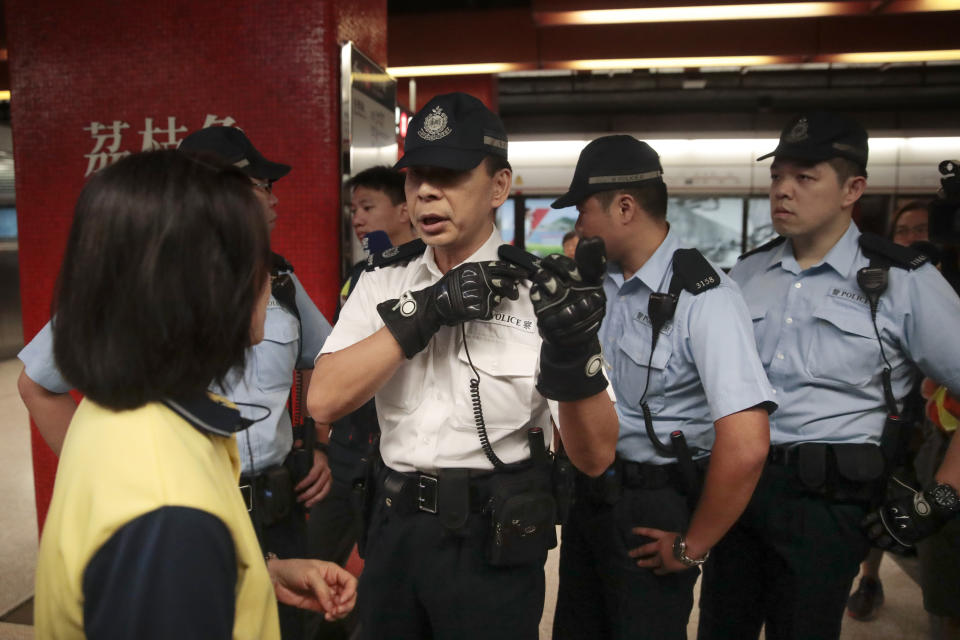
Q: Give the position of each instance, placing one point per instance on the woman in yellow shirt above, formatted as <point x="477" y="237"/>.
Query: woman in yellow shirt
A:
<point x="164" y="285"/>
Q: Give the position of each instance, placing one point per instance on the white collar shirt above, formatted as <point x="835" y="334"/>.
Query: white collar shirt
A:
<point x="425" y="410"/>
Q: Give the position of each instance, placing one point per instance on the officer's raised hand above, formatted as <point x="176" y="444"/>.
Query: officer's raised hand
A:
<point x="470" y="291"/>
<point x="568" y="299"/>
<point x="902" y="522"/>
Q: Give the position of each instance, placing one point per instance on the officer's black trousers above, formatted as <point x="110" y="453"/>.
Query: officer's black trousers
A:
<point x="788" y="563"/>
<point x="422" y="582"/>
<point x="603" y="593"/>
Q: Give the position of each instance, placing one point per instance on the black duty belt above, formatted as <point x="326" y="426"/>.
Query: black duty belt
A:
<point x="783" y="455"/>
<point x="409" y="493"/>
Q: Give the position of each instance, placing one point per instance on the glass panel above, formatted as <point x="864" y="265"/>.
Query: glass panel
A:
<point x="8" y="223"/>
<point x="505" y="219"/>
<point x="712" y="225"/>
<point x="759" y="227"/>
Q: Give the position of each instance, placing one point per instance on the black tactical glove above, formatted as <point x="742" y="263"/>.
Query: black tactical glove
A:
<point x="468" y="292"/>
<point x="900" y="523"/>
<point x="568" y="299"/>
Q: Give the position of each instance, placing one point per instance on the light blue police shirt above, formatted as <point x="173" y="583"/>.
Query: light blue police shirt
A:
<point x="705" y="365"/>
<point x="819" y="347"/>
<point x="265" y="380"/>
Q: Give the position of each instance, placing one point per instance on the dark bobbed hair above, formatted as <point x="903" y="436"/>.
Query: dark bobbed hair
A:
<point x="651" y="196"/>
<point x="913" y="205"/>
<point x="166" y="258"/>
<point x="569" y="235"/>
<point x="386" y="179"/>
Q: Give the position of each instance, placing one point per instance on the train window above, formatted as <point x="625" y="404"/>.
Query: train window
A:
<point x="759" y="227"/>
<point x="711" y="224"/>
<point x="544" y="227"/>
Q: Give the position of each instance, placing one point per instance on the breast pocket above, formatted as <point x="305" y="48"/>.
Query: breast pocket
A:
<point x="276" y="355"/>
<point x="630" y="372"/>
<point x="844" y="345"/>
<point x="507" y="374"/>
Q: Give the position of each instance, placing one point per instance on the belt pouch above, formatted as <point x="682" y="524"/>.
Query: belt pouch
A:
<point x="275" y="490"/>
<point x="453" y="498"/>
<point x="860" y="469"/>
<point x="812" y="465"/>
<point x="522" y="519"/>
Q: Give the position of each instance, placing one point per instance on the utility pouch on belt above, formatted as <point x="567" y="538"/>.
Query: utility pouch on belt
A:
<point x="275" y="492"/>
<point x="843" y="472"/>
<point x="522" y="510"/>
<point x="523" y="516"/>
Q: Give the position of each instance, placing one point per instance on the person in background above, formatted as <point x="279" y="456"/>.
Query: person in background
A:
<point x="147" y="535"/>
<point x="275" y="478"/>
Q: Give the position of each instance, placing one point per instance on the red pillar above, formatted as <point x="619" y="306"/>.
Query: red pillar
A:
<point x="83" y="72"/>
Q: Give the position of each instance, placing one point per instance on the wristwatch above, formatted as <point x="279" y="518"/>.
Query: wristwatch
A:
<point x="680" y="552"/>
<point x="945" y="498"/>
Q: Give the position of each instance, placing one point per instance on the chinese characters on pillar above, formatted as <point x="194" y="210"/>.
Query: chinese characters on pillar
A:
<point x="109" y="138"/>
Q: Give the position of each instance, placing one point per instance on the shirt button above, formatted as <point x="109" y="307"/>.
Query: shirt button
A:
<point x="797" y="285"/>
<point x="789" y="320"/>
<point x="774" y="392"/>
<point x="779" y="356"/>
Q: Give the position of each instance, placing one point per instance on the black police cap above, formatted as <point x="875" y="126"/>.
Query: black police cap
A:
<point x="232" y="145"/>
<point x="453" y="131"/>
<point x="821" y="135"/>
<point x="608" y="163"/>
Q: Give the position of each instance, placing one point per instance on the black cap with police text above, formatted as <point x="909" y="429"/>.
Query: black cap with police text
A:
<point x="608" y="163"/>
<point x="821" y="135"/>
<point x="232" y="145"/>
<point x="453" y="131"/>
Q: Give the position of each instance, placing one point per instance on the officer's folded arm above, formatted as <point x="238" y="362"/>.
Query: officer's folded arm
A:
<point x="344" y="380"/>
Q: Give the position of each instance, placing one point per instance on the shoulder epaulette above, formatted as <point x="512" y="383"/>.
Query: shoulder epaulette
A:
<point x="776" y="242"/>
<point x="396" y="255"/>
<point x="279" y="264"/>
<point x="691" y="271"/>
<point x="889" y="253"/>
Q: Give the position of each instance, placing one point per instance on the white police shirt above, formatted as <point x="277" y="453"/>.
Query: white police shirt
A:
<point x="704" y="367"/>
<point x="819" y="347"/>
<point x="265" y="381"/>
<point x="425" y="410"/>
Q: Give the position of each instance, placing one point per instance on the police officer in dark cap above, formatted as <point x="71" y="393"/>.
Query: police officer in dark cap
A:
<point x="679" y="345"/>
<point x="462" y="354"/>
<point x="841" y="320"/>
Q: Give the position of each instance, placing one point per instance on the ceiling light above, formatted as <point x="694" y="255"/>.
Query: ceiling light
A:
<point x="881" y="57"/>
<point x="458" y="69"/>
<point x="651" y="63"/>
<point x="771" y="10"/>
